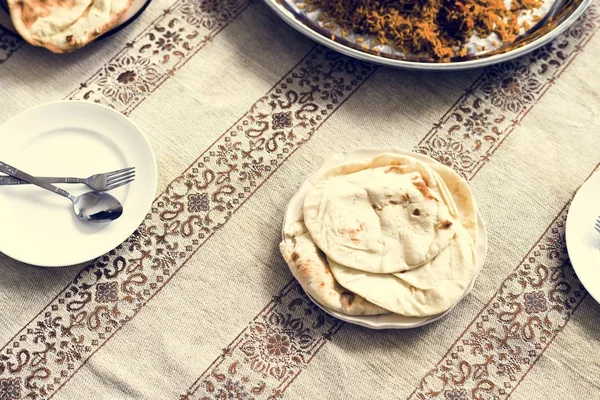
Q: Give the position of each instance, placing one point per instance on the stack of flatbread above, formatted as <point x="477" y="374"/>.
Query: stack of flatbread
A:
<point x="65" y="25"/>
<point x="391" y="234"/>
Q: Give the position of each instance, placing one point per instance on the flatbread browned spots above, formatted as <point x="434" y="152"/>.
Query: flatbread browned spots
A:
<point x="444" y="224"/>
<point x="395" y="169"/>
<point x="368" y="213"/>
<point x="345" y="199"/>
<point x="310" y="268"/>
<point x="427" y="290"/>
<point x="437" y="285"/>
<point x="346" y="298"/>
<point x="352" y="234"/>
<point x="65" y="25"/>
<point x="422" y="186"/>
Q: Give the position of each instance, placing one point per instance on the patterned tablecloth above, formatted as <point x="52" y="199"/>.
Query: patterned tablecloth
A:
<point x="239" y="108"/>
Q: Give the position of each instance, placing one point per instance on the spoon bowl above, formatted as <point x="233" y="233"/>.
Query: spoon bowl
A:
<point x="97" y="207"/>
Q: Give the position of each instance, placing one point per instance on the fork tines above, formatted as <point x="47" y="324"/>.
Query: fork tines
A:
<point x="120" y="177"/>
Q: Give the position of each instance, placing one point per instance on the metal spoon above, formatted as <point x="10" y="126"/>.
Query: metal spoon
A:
<point x="89" y="207"/>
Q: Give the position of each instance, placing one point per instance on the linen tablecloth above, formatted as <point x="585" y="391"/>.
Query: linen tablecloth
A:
<point x="239" y="108"/>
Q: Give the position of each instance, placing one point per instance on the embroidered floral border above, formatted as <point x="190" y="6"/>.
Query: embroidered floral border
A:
<point x="508" y="336"/>
<point x="105" y="296"/>
<point x="464" y="139"/>
<point x="155" y="54"/>
<point x="269" y="354"/>
<point x="9" y="44"/>
<point x="487" y="113"/>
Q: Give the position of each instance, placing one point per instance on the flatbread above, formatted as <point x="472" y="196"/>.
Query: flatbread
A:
<point x="383" y="215"/>
<point x="65" y="25"/>
<point x="310" y="268"/>
<point x="431" y="289"/>
<point x="457" y="194"/>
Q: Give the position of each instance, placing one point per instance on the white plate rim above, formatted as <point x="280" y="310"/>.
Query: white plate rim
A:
<point x="146" y="206"/>
<point x="577" y="259"/>
<point x="373" y="321"/>
<point x="288" y="17"/>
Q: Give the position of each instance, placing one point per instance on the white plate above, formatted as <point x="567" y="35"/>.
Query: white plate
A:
<point x="311" y="26"/>
<point x="134" y="11"/>
<point x="78" y="139"/>
<point x="390" y="321"/>
<point x="583" y="242"/>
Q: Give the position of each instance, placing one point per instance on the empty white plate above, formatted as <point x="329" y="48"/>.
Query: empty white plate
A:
<point x="583" y="241"/>
<point x="74" y="139"/>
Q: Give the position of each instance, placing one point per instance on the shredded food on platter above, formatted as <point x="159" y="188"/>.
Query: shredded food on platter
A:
<point x="438" y="28"/>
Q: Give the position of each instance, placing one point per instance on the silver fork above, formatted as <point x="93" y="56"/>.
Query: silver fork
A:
<point x="597" y="226"/>
<point x="99" y="182"/>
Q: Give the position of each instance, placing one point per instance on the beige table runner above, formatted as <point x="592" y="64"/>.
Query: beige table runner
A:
<point x="239" y="108"/>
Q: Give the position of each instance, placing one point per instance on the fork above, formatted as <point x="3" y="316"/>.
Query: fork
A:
<point x="597" y="226"/>
<point x="99" y="182"/>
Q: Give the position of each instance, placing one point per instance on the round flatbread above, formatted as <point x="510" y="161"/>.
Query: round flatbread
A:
<point x="457" y="194"/>
<point x="383" y="215"/>
<point x="310" y="268"/>
<point x="65" y="25"/>
<point x="424" y="291"/>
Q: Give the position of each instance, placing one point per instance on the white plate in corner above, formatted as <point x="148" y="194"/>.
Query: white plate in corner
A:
<point x="583" y="241"/>
<point x="388" y="321"/>
<point x="76" y="139"/>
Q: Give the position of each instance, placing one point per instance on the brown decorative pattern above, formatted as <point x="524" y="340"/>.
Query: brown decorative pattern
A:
<point x="270" y="352"/>
<point x="10" y="389"/>
<point x="9" y="43"/>
<point x="487" y="113"/>
<point x="160" y="50"/>
<point x="150" y="58"/>
<point x="106" y="295"/>
<point x="464" y="139"/>
<point x="508" y="336"/>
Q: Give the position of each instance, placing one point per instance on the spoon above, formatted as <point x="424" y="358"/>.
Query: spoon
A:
<point x="89" y="207"/>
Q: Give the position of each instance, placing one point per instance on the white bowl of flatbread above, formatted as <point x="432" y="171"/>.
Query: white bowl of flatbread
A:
<point x="63" y="26"/>
<point x="384" y="238"/>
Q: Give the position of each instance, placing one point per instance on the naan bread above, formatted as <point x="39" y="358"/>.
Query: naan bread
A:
<point x="383" y="215"/>
<point x="310" y="268"/>
<point x="457" y="194"/>
<point x="424" y="291"/>
<point x="65" y="25"/>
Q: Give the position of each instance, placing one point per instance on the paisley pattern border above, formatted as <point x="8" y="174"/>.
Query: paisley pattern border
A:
<point x="502" y="344"/>
<point x="489" y="111"/>
<point x="151" y="57"/>
<point x="464" y="139"/>
<point x="158" y="52"/>
<point x="108" y="294"/>
<point x="266" y="357"/>
<point x="103" y="297"/>
<point x="123" y="83"/>
<point x="9" y="44"/>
